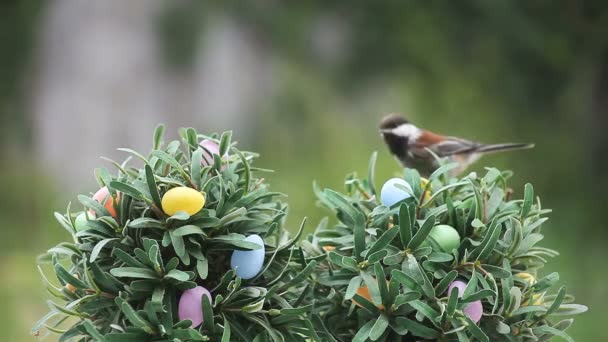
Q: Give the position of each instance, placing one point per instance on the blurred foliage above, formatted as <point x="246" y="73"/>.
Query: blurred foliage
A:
<point x="493" y="71"/>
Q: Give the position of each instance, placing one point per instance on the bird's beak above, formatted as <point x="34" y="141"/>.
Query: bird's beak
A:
<point x="382" y="131"/>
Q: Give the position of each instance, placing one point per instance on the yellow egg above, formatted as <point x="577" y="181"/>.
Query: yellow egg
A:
<point x="427" y="194"/>
<point x="182" y="199"/>
<point x="537" y="298"/>
<point x="527" y="277"/>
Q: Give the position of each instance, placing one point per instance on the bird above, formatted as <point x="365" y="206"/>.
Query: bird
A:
<point x="418" y="148"/>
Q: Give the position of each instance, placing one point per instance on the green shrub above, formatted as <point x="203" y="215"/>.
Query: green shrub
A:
<point x="389" y="253"/>
<point x="121" y="277"/>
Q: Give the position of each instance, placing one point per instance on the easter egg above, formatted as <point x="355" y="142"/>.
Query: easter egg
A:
<point x="391" y="194"/>
<point x="80" y="223"/>
<point x="423" y="184"/>
<point x="473" y="310"/>
<point x="210" y="148"/>
<point x="537" y="298"/>
<point x="182" y="199"/>
<point x="247" y="264"/>
<point x="191" y="305"/>
<point x="104" y="197"/>
<point x="363" y="291"/>
<point x="446" y="237"/>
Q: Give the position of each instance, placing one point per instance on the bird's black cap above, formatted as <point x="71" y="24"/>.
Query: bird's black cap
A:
<point x="392" y="121"/>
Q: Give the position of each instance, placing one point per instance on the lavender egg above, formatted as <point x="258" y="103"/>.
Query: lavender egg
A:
<point x="473" y="310"/>
<point x="210" y="148"/>
<point x="247" y="264"/>
<point x="191" y="305"/>
<point x="391" y="194"/>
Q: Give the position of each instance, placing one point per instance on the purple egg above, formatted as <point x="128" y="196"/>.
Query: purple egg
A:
<point x="191" y="305"/>
<point x="210" y="148"/>
<point x="473" y="310"/>
<point x="461" y="285"/>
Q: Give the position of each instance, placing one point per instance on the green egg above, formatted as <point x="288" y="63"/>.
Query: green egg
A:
<point x="445" y="236"/>
<point x="80" y="223"/>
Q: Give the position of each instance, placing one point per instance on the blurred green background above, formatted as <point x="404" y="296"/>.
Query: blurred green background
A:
<point x="305" y="85"/>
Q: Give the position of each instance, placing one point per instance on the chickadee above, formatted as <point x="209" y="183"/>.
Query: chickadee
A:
<point x="411" y="146"/>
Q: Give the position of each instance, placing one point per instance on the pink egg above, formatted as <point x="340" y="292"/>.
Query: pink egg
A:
<point x="103" y="195"/>
<point x="461" y="285"/>
<point x="210" y="148"/>
<point x="473" y="310"/>
<point x="191" y="305"/>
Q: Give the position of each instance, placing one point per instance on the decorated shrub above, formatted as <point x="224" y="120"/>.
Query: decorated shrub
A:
<point x="189" y="247"/>
<point x="439" y="259"/>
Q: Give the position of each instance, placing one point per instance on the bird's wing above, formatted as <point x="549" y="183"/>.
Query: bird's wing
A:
<point x="448" y="146"/>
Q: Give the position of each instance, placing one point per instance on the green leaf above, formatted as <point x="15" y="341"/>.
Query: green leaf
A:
<point x="226" y="332"/>
<point x="416" y="328"/>
<point x="196" y="167"/>
<point x="570" y="309"/>
<point x="370" y="174"/>
<point x="452" y="302"/>
<point x="545" y="329"/>
<point x="133" y="272"/>
<point x="126" y="189"/>
<point x="152" y="186"/>
<point x="475" y="330"/>
<point x="208" y="320"/>
<point x="188" y="230"/>
<point x="383" y="241"/>
<point x="528" y="200"/>
<point x="98" y="247"/>
<point x="225" y="142"/>
<point x="378" y="328"/>
<point x="422" y="233"/>
<point x="133" y="317"/>
<point x="481" y="294"/>
<point x="363" y="334"/>
<point x="158" y="136"/>
<point x="146" y="222"/>
<point x="405" y="225"/>
<point x="557" y="301"/>
<point x="445" y="282"/>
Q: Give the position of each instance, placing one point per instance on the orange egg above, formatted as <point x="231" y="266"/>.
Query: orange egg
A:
<point x="329" y="248"/>
<point x="363" y="291"/>
<point x="101" y="195"/>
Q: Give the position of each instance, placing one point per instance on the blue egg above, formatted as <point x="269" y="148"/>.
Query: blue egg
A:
<point x="248" y="263"/>
<point x="391" y="194"/>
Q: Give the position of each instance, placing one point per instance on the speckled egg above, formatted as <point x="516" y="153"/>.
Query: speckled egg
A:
<point x="473" y="310"/>
<point x="446" y="237"/>
<point x="247" y="264"/>
<point x="191" y="305"/>
<point x="391" y="194"/>
<point x="80" y="223"/>
<point x="104" y="197"/>
<point x="210" y="148"/>
<point x="182" y="199"/>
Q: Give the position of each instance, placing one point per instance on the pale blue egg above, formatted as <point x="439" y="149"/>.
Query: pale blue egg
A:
<point x="249" y="263"/>
<point x="391" y="194"/>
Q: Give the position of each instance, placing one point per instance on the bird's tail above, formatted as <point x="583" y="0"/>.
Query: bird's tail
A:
<point x="504" y="147"/>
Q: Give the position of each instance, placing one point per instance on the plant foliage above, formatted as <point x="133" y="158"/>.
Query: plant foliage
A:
<point x="388" y="251"/>
<point x="120" y="278"/>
